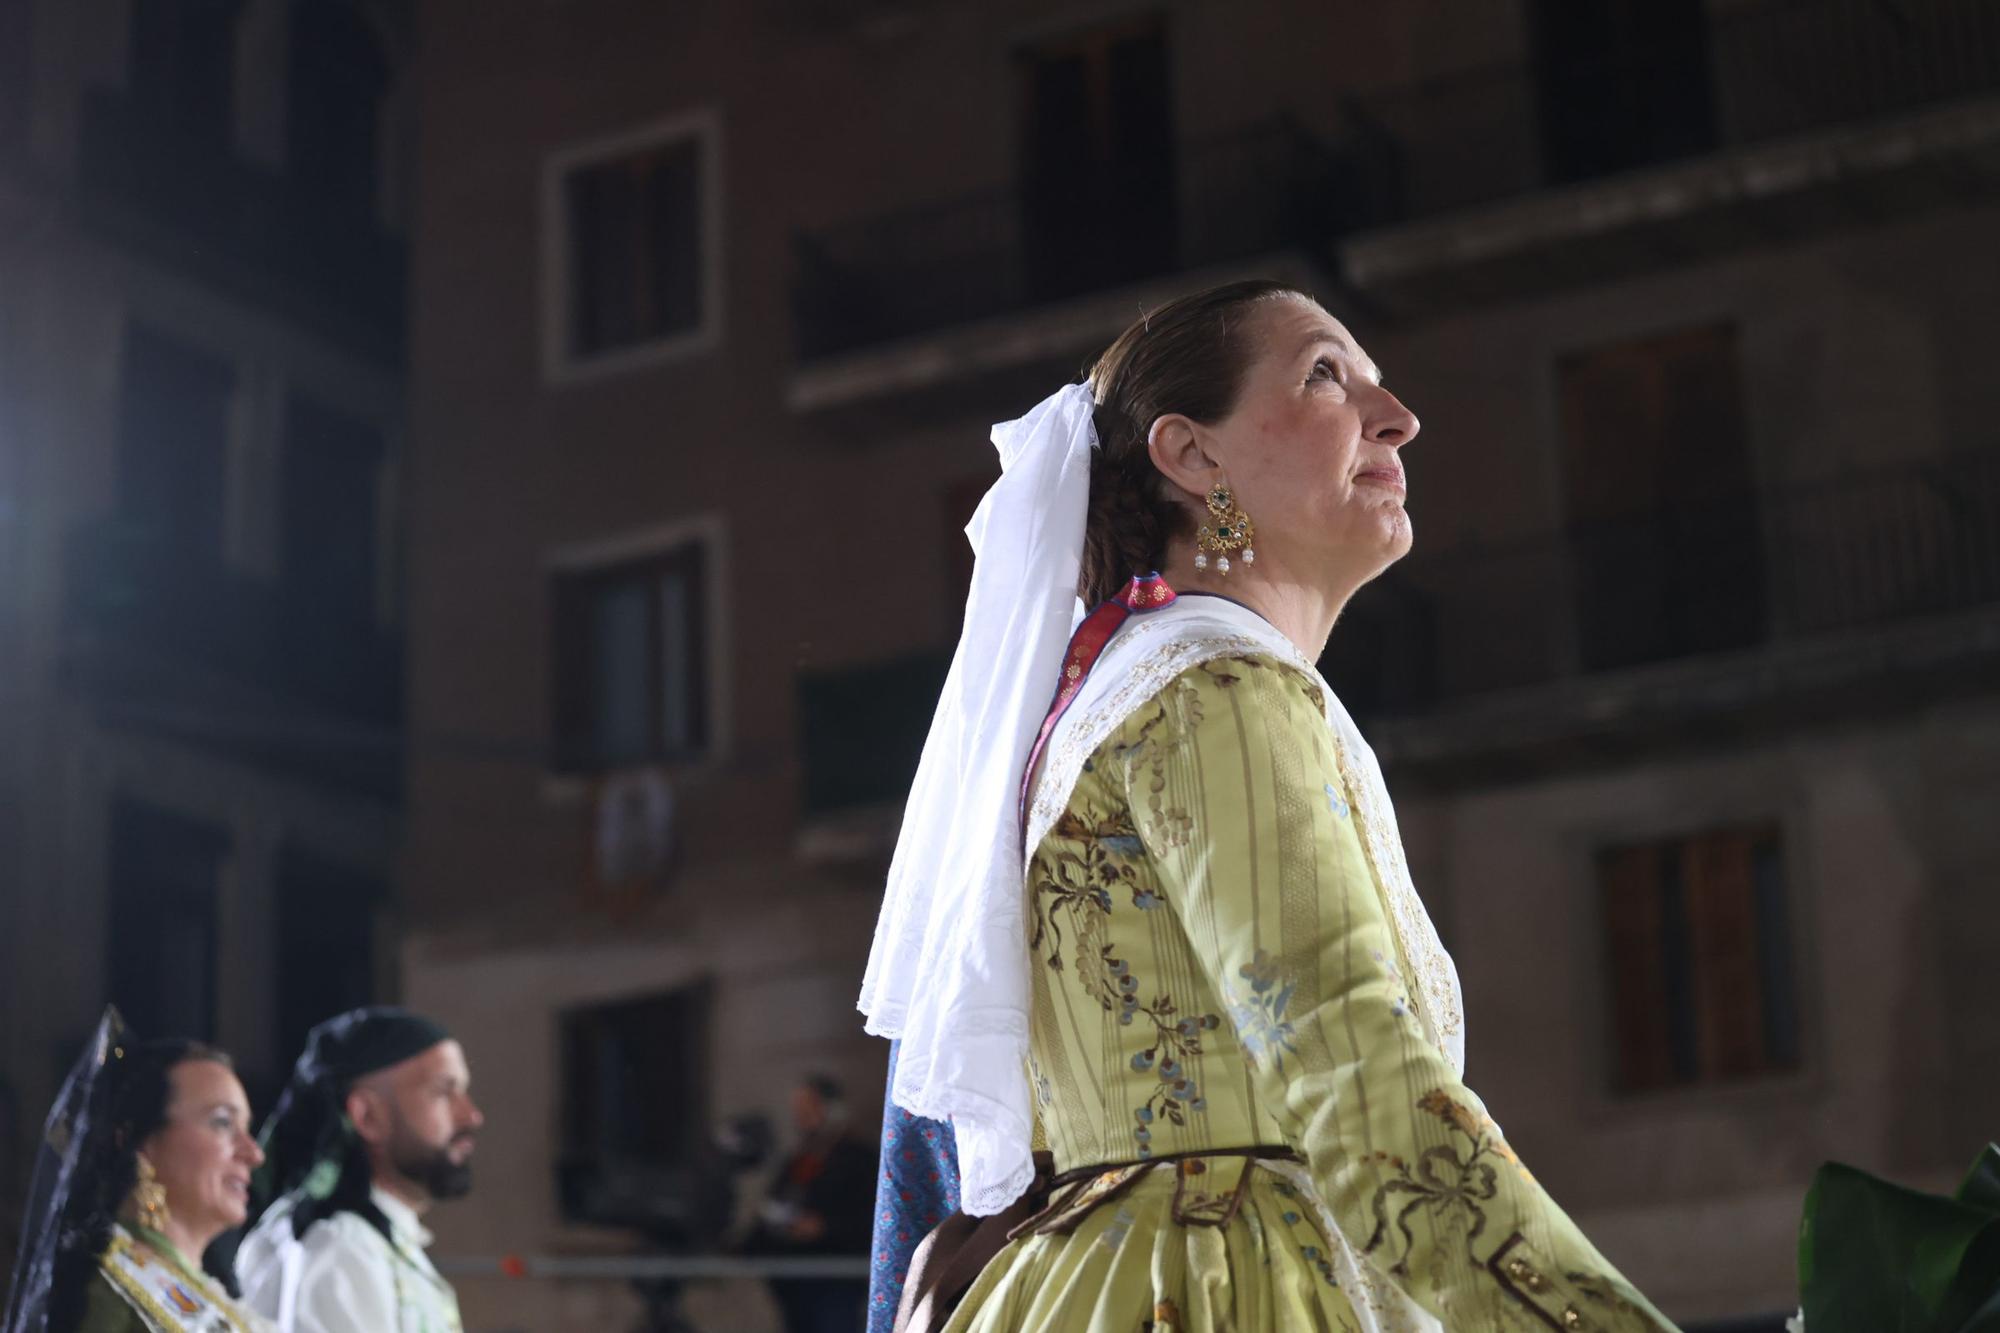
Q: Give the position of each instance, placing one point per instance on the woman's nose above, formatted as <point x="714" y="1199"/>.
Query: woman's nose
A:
<point x="1389" y="422"/>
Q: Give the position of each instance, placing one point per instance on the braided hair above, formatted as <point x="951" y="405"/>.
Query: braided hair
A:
<point x="1187" y="357"/>
<point x="128" y="1104"/>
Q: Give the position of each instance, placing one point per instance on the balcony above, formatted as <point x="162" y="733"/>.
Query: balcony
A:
<point x="1726" y="614"/>
<point x="196" y="206"/>
<point x="178" y="644"/>
<point x="1772" y="118"/>
<point x="1264" y="188"/>
<point x="1781" y="117"/>
<point x="1661" y="629"/>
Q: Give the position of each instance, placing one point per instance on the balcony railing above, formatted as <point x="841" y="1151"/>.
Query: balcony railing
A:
<point x="1756" y="71"/>
<point x="141" y="614"/>
<point x="1849" y="554"/>
<point x="143" y="182"/>
<point x="1259" y="189"/>
<point x="1763" y="70"/>
<point x="1728" y="579"/>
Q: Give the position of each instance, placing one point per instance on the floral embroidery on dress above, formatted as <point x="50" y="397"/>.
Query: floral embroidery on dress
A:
<point x="1261" y="1025"/>
<point x="1444" y="1181"/>
<point x="1336" y="802"/>
<point x="1479" y="1128"/>
<point x="1091" y="853"/>
<point x="1401" y="1005"/>
<point x="1195" y="1205"/>
<point x="1312" y="1255"/>
<point x="1172" y="826"/>
<point x="1121" y="1226"/>
<point x="1175" y="1039"/>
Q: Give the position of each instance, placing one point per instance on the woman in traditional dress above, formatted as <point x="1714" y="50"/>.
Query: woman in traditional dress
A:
<point x="1221" y="1006"/>
<point x="148" y="1158"/>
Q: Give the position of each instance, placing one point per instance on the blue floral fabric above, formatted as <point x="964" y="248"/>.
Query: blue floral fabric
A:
<point x="918" y="1189"/>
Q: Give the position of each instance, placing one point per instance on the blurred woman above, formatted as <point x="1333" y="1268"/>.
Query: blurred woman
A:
<point x="148" y="1158"/>
<point x="1164" y="924"/>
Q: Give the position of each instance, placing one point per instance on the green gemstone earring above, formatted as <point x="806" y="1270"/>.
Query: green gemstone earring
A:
<point x="1232" y="531"/>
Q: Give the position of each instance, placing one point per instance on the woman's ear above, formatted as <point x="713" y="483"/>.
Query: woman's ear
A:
<point x="1175" y="445"/>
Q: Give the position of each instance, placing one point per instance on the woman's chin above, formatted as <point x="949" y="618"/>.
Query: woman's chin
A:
<point x="1399" y="536"/>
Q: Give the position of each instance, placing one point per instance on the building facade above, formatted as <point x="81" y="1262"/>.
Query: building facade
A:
<point x="1685" y="694"/>
<point x="201" y="429"/>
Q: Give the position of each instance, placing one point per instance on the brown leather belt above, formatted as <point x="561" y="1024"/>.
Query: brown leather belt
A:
<point x="1256" y="1151"/>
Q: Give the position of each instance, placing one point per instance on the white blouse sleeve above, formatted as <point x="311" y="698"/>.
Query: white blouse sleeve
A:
<point x="344" y="1280"/>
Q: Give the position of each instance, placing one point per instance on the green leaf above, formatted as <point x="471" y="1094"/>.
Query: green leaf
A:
<point x="1875" y="1257"/>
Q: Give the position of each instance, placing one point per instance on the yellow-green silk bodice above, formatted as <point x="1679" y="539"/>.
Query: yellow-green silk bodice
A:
<point x="1219" y="962"/>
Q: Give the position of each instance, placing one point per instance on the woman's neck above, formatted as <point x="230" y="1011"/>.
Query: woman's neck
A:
<point x="1300" y="610"/>
<point x="184" y="1246"/>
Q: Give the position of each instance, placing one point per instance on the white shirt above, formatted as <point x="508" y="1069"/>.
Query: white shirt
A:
<point x="344" y="1276"/>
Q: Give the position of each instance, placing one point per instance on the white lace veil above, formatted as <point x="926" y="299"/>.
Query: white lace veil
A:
<point x="948" y="974"/>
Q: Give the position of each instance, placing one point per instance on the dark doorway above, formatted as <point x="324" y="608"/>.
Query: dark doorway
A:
<point x="1097" y="171"/>
<point x="1664" y="521"/>
<point x="635" y="1116"/>
<point x="161" y="942"/>
<point x="1622" y="83"/>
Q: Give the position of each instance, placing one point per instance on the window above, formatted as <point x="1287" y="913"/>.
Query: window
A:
<point x="635" y="1077"/>
<point x="1097" y="145"/>
<point x="1622" y="83"/>
<point x="631" y="661"/>
<point x="174" y="414"/>
<point x="862" y="730"/>
<point x="634" y="237"/>
<point x="166" y="877"/>
<point x="1698" y="943"/>
<point x="1664" y="522"/>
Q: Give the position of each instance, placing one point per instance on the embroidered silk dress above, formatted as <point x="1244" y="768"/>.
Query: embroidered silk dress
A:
<point x="150" y="1288"/>
<point x="1227" y="954"/>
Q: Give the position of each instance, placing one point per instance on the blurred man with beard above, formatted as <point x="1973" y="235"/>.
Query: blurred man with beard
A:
<point x="376" y="1125"/>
